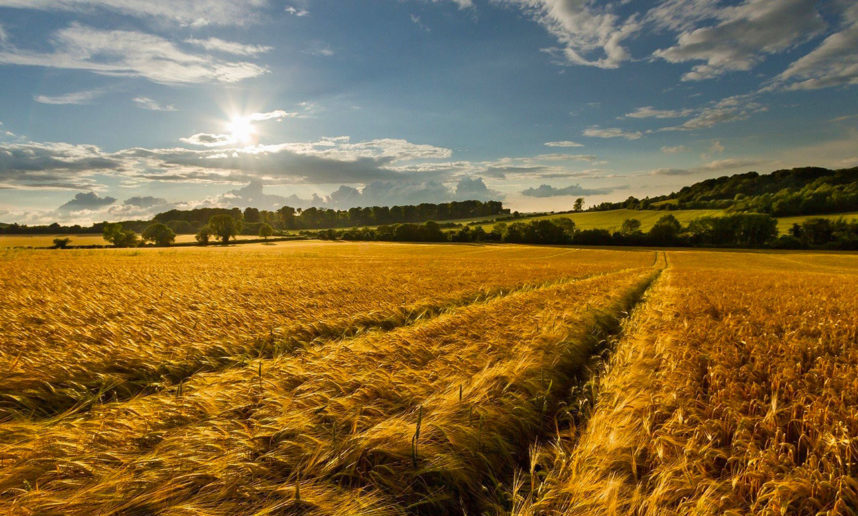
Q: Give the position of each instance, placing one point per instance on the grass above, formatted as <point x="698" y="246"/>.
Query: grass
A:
<point x="376" y="379"/>
<point x="613" y="219"/>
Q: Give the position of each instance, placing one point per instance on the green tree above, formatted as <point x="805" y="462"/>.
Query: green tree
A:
<point x="265" y="230"/>
<point x="630" y="227"/>
<point x="666" y="230"/>
<point x="579" y="204"/>
<point x="225" y="227"/>
<point x="61" y="243"/>
<point x="160" y="234"/>
<point x="203" y="235"/>
<point x="118" y="236"/>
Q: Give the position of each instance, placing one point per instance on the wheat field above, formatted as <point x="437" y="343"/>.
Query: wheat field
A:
<point x="369" y="378"/>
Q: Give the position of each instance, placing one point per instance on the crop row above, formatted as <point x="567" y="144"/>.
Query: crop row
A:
<point x="734" y="392"/>
<point x="84" y="326"/>
<point x="426" y="418"/>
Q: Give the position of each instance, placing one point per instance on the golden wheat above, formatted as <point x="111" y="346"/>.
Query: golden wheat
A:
<point x="336" y="422"/>
<point x="86" y="325"/>
<point x="733" y="392"/>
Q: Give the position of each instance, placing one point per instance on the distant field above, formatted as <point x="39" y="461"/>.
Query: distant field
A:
<point x="395" y="379"/>
<point x="89" y="239"/>
<point x="613" y="219"/>
<point x="785" y="223"/>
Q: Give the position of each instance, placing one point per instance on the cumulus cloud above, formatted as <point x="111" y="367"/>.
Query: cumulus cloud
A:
<point x="145" y="202"/>
<point x="277" y="114"/>
<point x="730" y="109"/>
<point x="681" y="15"/>
<point x="596" y="132"/>
<point x="745" y="34"/>
<point x="130" y="54"/>
<point x="152" y="105"/>
<point x="651" y="112"/>
<point x="184" y="12"/>
<point x="833" y="63"/>
<point x="253" y="195"/>
<point x="390" y="149"/>
<point x="228" y="47"/>
<point x="563" y="143"/>
<point x="86" y="201"/>
<point x="551" y="191"/>
<point x="53" y="165"/>
<point x="475" y="189"/>
<point x="589" y="33"/>
<point x="79" y="97"/>
<point x="721" y="165"/>
<point x="294" y="11"/>
<point x="208" y="139"/>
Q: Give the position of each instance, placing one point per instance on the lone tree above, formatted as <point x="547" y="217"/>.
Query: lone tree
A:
<point x="579" y="204"/>
<point x="61" y="243"/>
<point x="118" y="236"/>
<point x="265" y="230"/>
<point x="160" y="234"/>
<point x="224" y="226"/>
<point x="203" y="235"/>
<point x="630" y="227"/>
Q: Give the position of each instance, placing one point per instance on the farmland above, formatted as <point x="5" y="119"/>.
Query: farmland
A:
<point x="370" y="378"/>
<point x="612" y="220"/>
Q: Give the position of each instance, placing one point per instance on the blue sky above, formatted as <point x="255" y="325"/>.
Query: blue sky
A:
<point x="115" y="109"/>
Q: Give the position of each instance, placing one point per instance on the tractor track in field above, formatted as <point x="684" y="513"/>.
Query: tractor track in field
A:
<point x="583" y="394"/>
<point x="54" y="401"/>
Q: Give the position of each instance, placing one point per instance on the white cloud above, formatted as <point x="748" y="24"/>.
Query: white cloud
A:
<point x="463" y="4"/>
<point x="681" y="15"/>
<point x="294" y="11"/>
<point x="650" y="112"/>
<point x="130" y="53"/>
<point x="551" y="191"/>
<point x="277" y="114"/>
<point x="184" y="12"/>
<point x="563" y="143"/>
<point x="745" y="34"/>
<point x="152" y="105"/>
<point x="209" y="140"/>
<point x="589" y="33"/>
<point x="35" y="165"/>
<point x="389" y="149"/>
<point x="416" y="21"/>
<point x="833" y="63"/>
<point x="228" y="47"/>
<point x="721" y="165"/>
<point x="674" y="149"/>
<point x="86" y="201"/>
<point x="319" y="49"/>
<point x="79" y="97"/>
<point x="730" y="109"/>
<point x="596" y="132"/>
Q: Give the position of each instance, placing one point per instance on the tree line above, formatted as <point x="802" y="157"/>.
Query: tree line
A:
<point x="798" y="191"/>
<point x="285" y="218"/>
<point x="751" y="230"/>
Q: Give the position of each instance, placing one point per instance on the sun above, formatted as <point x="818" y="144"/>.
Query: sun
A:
<point x="242" y="131"/>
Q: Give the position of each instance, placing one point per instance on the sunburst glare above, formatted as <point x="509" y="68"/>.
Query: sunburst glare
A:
<point x="241" y="130"/>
